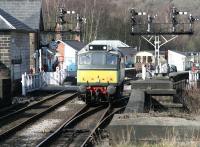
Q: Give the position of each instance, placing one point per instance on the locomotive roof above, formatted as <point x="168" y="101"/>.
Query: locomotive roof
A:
<point x="113" y="44"/>
<point x="111" y="49"/>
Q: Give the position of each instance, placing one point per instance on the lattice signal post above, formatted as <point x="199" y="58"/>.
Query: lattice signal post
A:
<point x="155" y="33"/>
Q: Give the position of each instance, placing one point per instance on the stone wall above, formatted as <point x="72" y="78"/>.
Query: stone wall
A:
<point x="14" y="58"/>
<point x="33" y="46"/>
<point x="20" y="55"/>
<point x="5" y="61"/>
<point x="5" y="82"/>
<point x="20" y="59"/>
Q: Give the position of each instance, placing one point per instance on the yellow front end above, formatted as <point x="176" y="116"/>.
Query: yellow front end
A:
<point x="97" y="77"/>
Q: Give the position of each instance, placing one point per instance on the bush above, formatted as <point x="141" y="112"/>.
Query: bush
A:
<point x="192" y="100"/>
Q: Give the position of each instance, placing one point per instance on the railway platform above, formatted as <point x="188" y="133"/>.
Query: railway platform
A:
<point x="145" y="127"/>
<point x="142" y="90"/>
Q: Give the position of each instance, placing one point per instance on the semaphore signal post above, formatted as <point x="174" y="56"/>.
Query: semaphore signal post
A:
<point x="155" y="33"/>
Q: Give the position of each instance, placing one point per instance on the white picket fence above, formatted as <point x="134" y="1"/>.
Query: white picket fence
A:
<point x="32" y="82"/>
<point x="193" y="79"/>
<point x="55" y="78"/>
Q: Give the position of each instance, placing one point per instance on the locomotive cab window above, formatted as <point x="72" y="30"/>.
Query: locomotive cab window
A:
<point x="98" y="58"/>
<point x="111" y="59"/>
<point x="85" y="59"/>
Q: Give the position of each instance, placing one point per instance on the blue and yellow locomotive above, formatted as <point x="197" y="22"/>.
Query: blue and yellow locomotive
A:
<point x="100" y="73"/>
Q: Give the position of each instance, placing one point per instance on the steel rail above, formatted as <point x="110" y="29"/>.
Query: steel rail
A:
<point x="11" y="131"/>
<point x="12" y="108"/>
<point x="31" y="105"/>
<point x="71" y="122"/>
<point x="99" y="126"/>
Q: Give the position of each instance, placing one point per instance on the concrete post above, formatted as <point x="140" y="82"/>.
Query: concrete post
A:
<point x="143" y="72"/>
<point x="23" y="84"/>
<point x="190" y="78"/>
<point x="40" y="59"/>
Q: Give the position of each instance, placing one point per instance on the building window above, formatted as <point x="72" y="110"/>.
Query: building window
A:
<point x="138" y="59"/>
<point x="126" y="57"/>
<point x="144" y="59"/>
<point x="111" y="59"/>
<point x="149" y="59"/>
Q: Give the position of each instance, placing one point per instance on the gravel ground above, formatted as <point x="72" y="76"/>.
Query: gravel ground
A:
<point x="32" y="134"/>
<point x="17" y="119"/>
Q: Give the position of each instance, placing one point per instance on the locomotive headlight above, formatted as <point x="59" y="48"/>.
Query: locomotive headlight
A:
<point x="82" y="88"/>
<point x="111" y="89"/>
<point x="91" y="47"/>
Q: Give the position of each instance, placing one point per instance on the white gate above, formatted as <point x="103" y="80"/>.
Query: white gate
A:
<point x="55" y="78"/>
<point x="32" y="82"/>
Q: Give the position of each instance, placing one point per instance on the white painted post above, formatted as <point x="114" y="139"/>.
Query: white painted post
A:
<point x="23" y="84"/>
<point x="191" y="79"/>
<point x="195" y="80"/>
<point x="40" y="60"/>
<point x="143" y="72"/>
<point x="190" y="76"/>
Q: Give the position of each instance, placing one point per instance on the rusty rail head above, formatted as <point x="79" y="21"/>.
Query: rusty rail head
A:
<point x="100" y="125"/>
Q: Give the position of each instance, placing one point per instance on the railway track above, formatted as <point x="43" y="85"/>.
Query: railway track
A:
<point x="72" y="124"/>
<point x="23" y="103"/>
<point x="12" y="111"/>
<point x="96" y="132"/>
<point x="15" y="122"/>
<point x="83" y="128"/>
<point x="75" y="131"/>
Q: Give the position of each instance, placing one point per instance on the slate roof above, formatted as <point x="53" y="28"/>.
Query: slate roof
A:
<point x="26" y="11"/>
<point x="77" y="45"/>
<point x="8" y="22"/>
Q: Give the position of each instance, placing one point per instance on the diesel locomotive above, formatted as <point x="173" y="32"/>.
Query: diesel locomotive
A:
<point x="100" y="73"/>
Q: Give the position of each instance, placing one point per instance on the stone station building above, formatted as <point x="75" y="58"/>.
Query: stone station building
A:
<point x="20" y="22"/>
